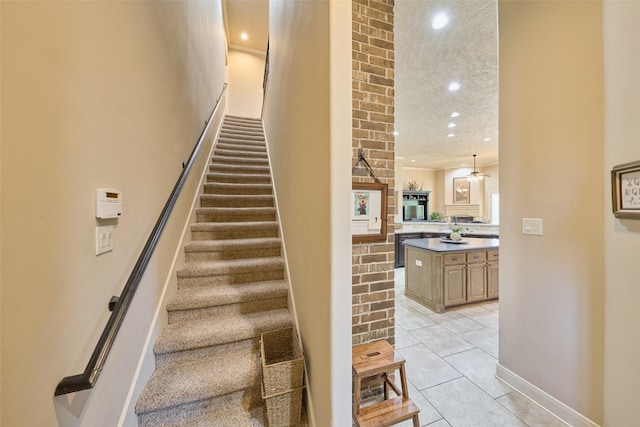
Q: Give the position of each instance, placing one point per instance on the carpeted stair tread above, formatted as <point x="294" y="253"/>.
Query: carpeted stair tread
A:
<point x="238" y="409"/>
<point x="249" y="161"/>
<point x="237" y="188"/>
<point x="237" y="200"/>
<point x="173" y="385"/>
<point x="202" y="297"/>
<point x="226" y="267"/>
<point x="245" y="148"/>
<point x="206" y="332"/>
<point x="238" y="178"/>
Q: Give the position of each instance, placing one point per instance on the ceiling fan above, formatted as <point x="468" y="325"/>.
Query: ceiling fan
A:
<point x="475" y="175"/>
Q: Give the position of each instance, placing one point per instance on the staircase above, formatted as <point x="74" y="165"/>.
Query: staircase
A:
<point x="230" y="290"/>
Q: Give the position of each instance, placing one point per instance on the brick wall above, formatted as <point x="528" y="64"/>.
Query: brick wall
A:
<point x="373" y="298"/>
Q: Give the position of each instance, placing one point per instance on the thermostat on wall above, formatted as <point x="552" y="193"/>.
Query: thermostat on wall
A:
<point x="108" y="203"/>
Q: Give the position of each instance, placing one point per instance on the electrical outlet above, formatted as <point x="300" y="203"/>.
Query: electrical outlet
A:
<point x="532" y="226"/>
<point x="104" y="239"/>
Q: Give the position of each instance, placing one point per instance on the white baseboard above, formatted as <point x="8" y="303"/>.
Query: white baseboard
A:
<point x="543" y="399"/>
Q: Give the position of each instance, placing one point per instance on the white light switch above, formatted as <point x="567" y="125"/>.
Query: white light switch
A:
<point x="104" y="239"/>
<point x="532" y="226"/>
<point x="419" y="263"/>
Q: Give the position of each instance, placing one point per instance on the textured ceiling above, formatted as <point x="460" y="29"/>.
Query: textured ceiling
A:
<point x="427" y="60"/>
<point x="250" y="17"/>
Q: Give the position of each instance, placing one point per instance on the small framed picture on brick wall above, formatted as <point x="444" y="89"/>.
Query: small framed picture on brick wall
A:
<point x="368" y="212"/>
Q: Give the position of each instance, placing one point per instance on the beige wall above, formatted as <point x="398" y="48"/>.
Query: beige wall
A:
<point x="621" y="241"/>
<point x="246" y="71"/>
<point x="308" y="127"/>
<point x="94" y="94"/>
<point x="551" y="146"/>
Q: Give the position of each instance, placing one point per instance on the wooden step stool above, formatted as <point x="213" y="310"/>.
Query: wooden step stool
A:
<point x="373" y="362"/>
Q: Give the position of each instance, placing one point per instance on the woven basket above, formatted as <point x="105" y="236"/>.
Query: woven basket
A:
<point x="281" y="360"/>
<point x="284" y="409"/>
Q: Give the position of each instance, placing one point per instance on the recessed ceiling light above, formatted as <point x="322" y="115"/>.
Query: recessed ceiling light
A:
<point x="244" y="36"/>
<point x="440" y="21"/>
<point x="396" y="133"/>
<point x="451" y="135"/>
<point x="413" y="161"/>
<point x="452" y="125"/>
<point x="453" y="86"/>
<point x="455" y="114"/>
<point x="487" y="139"/>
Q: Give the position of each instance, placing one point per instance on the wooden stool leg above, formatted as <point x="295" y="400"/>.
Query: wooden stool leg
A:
<point x="403" y="380"/>
<point x="416" y="421"/>
<point x="356" y="395"/>
<point x="385" y="387"/>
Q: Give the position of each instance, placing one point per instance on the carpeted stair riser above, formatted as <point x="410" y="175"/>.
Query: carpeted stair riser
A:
<point x="230" y="279"/>
<point x="217" y="312"/>
<point x="235" y="151"/>
<point x="235" y="214"/>
<point x="236" y="201"/>
<point x="248" y="170"/>
<point x="218" y="231"/>
<point x="201" y="333"/>
<point x="214" y="248"/>
<point x="249" y="161"/>
<point x="202" y="297"/>
<point x="230" y="290"/>
<point x="195" y="355"/>
<point x="250" y="150"/>
<point x="237" y="188"/>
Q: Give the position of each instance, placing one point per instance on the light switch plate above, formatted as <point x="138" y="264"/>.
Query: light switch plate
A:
<point x="419" y="263"/>
<point x="104" y="239"/>
<point x="532" y="226"/>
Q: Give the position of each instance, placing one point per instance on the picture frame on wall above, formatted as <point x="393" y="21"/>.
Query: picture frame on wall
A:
<point x="461" y="191"/>
<point x="368" y="212"/>
<point x="625" y="190"/>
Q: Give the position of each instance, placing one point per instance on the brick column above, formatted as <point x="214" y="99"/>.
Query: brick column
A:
<point x="373" y="297"/>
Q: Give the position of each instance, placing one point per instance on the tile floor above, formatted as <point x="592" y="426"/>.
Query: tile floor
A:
<point x="451" y="362"/>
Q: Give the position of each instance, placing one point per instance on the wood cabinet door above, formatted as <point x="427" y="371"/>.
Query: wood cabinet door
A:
<point x="455" y="289"/>
<point x="476" y="282"/>
<point x="493" y="285"/>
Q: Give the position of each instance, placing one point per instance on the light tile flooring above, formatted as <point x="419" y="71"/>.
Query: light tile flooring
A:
<point x="451" y="362"/>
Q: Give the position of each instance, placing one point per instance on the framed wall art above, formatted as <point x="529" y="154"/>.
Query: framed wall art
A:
<point x="625" y="190"/>
<point x="368" y="212"/>
<point x="461" y="190"/>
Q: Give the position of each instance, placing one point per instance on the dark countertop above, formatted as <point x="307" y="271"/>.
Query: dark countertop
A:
<point x="436" y="245"/>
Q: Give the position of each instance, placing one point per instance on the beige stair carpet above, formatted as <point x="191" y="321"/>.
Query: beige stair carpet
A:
<point x="230" y="290"/>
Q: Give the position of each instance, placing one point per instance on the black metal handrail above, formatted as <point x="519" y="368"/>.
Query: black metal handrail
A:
<point x="88" y="378"/>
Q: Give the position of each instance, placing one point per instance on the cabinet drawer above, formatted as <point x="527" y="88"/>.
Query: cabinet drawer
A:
<point x="452" y="259"/>
<point x="476" y="256"/>
<point x="493" y="255"/>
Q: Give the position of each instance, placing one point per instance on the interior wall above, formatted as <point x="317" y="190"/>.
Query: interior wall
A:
<point x="308" y="127"/>
<point x="246" y="72"/>
<point x="94" y="94"/>
<point x="551" y="147"/>
<point x="621" y="241"/>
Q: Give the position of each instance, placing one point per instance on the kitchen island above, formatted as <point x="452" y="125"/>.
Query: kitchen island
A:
<point x="440" y="274"/>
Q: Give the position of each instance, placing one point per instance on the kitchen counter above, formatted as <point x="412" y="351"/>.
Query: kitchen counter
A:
<point x="440" y="275"/>
<point x="437" y="245"/>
